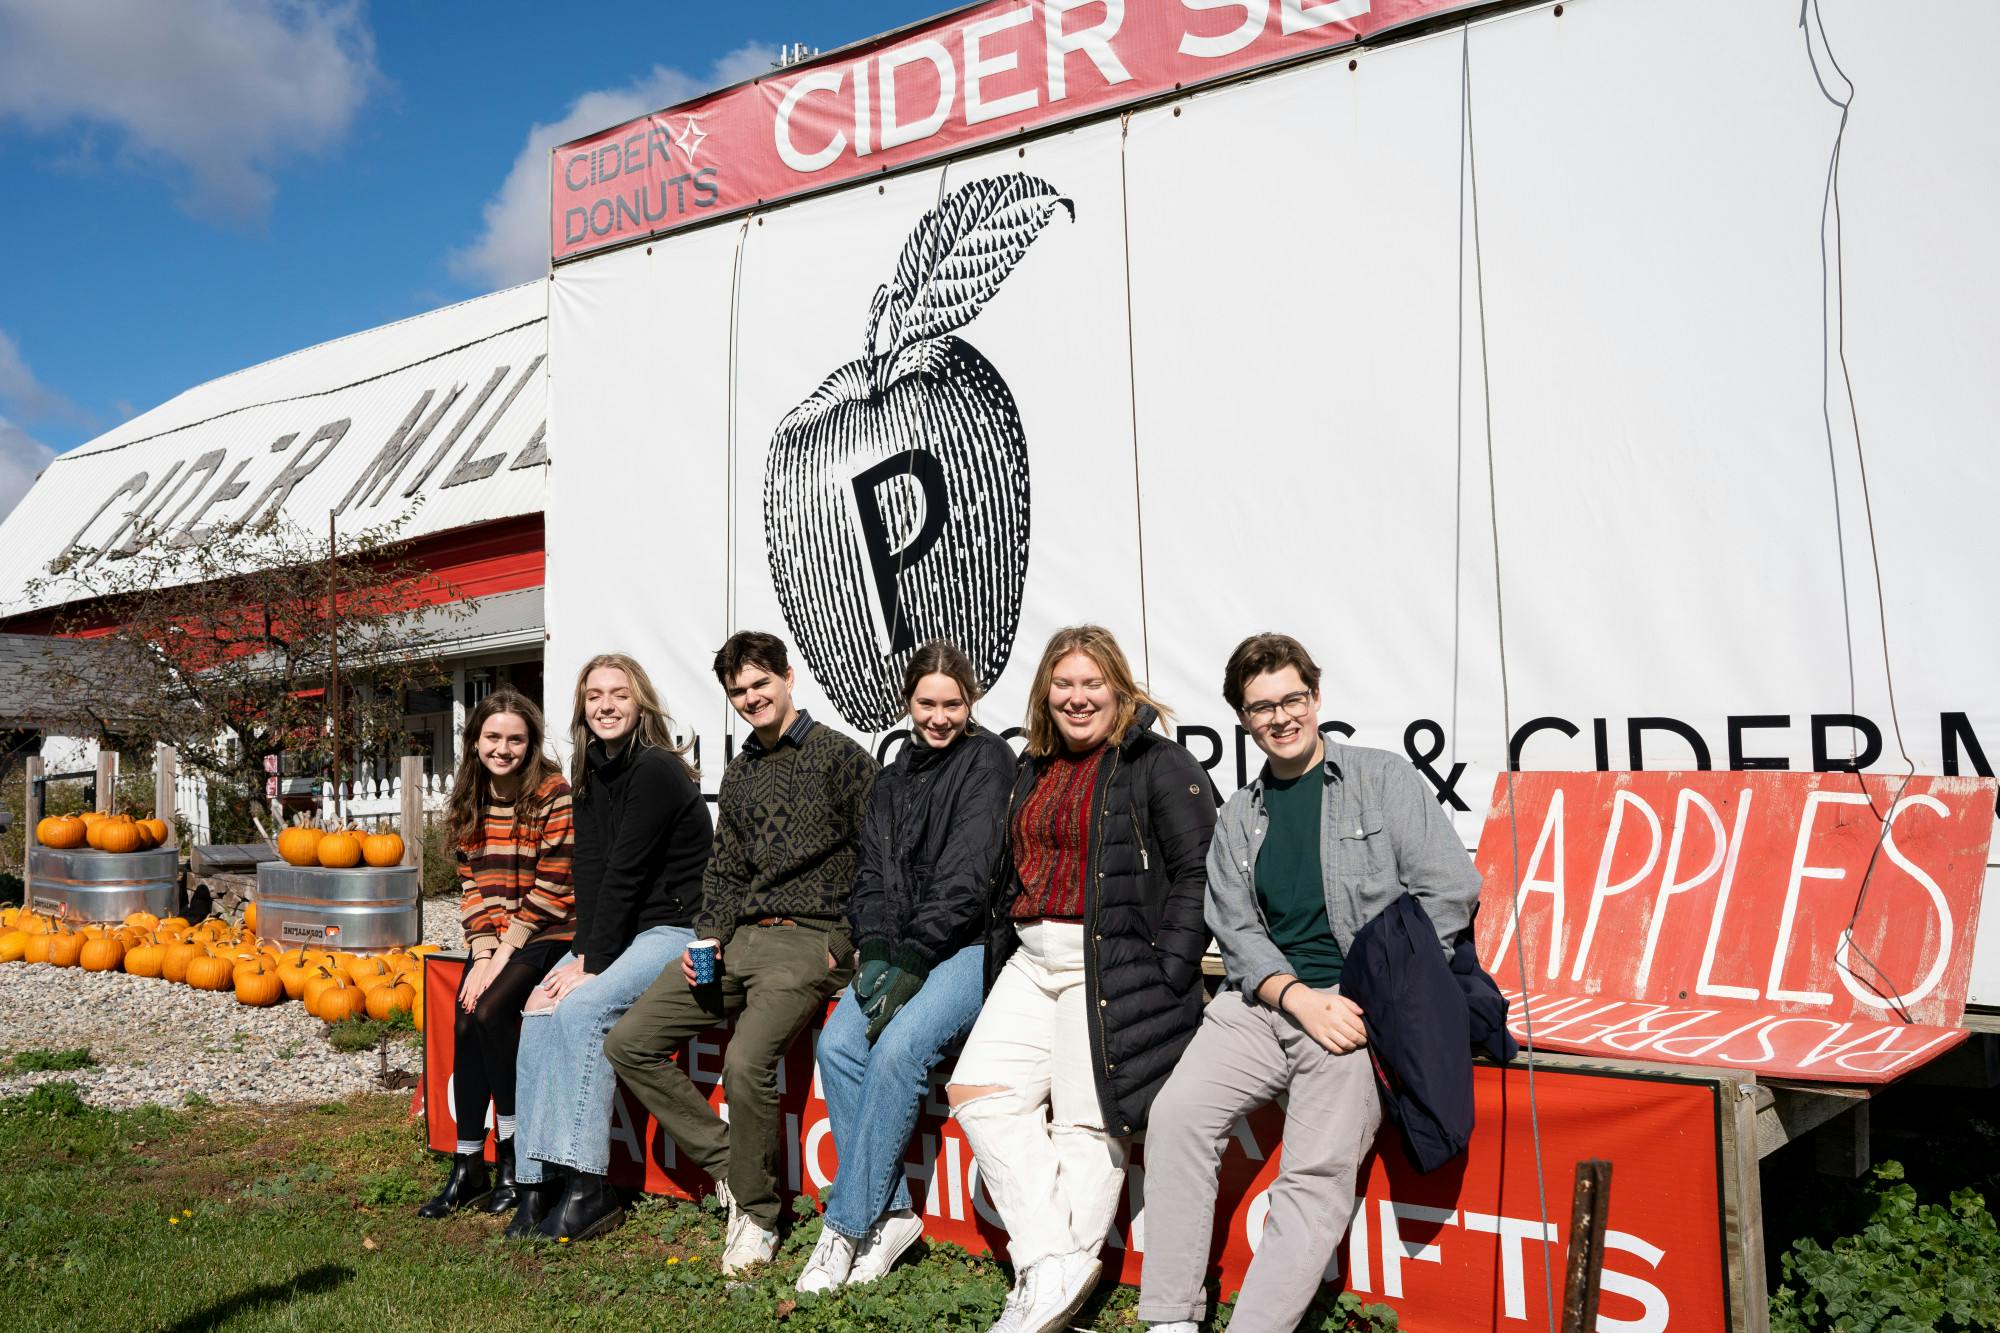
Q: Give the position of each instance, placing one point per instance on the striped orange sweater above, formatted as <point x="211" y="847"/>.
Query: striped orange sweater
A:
<point x="514" y="880"/>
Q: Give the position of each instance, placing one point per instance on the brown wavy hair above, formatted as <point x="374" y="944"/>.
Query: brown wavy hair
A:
<point x="655" y="725"/>
<point x="1096" y="643"/>
<point x="471" y="786"/>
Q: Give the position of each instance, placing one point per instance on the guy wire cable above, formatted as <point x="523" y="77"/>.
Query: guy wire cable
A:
<point x="729" y="509"/>
<point x="1833" y="345"/>
<point x="1132" y="393"/>
<point x="1469" y="157"/>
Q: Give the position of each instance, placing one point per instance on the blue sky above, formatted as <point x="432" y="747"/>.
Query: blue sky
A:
<point x="196" y="186"/>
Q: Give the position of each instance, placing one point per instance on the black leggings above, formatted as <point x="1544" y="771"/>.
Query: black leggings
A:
<point x="488" y="1038"/>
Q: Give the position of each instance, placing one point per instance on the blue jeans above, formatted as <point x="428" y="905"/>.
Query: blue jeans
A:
<point x="564" y="1085"/>
<point x="872" y="1092"/>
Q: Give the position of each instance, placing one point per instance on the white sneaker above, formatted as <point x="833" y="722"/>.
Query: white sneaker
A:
<point x="831" y="1263"/>
<point x="749" y="1243"/>
<point x="1061" y="1284"/>
<point x="1176" y="1326"/>
<point x="886" y="1241"/>
<point x="1017" y="1303"/>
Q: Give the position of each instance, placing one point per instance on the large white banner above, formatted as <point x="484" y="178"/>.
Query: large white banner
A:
<point x="1227" y="367"/>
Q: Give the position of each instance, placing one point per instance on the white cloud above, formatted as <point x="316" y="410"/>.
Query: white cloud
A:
<point x="21" y="458"/>
<point x="513" y="247"/>
<point x="27" y="396"/>
<point x="221" y="93"/>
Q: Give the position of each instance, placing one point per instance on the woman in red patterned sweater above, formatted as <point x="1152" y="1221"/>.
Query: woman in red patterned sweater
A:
<point x="509" y="821"/>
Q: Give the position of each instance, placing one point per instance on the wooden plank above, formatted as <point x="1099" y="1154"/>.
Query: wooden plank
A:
<point x="32" y="811"/>
<point x="107" y="780"/>
<point x="412" y="776"/>
<point x="1743" y="1210"/>
<point x="165" y="770"/>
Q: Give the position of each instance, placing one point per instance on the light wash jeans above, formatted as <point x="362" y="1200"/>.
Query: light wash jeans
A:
<point x="564" y="1085"/>
<point x="872" y="1092"/>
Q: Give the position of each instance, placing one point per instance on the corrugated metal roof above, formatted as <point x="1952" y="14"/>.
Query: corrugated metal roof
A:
<point x="442" y="416"/>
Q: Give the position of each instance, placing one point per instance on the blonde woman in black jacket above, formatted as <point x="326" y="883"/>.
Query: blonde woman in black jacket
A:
<point x="930" y="842"/>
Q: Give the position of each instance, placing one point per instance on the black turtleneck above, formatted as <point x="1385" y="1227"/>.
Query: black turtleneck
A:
<point x="642" y="841"/>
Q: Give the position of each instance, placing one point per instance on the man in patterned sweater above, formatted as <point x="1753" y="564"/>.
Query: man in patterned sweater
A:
<point x="788" y="824"/>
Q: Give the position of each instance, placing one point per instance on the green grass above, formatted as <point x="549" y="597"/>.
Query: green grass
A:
<point x="365" y="1034"/>
<point x="40" y="1061"/>
<point x="303" y="1217"/>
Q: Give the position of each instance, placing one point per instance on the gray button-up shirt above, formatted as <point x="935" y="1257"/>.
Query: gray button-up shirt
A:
<point x="1381" y="833"/>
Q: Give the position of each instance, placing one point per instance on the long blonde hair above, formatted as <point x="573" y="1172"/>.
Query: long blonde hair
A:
<point x="655" y="726"/>
<point x="1096" y="643"/>
<point x="471" y="786"/>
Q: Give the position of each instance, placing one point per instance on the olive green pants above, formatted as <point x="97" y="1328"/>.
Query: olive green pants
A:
<point x="774" y="980"/>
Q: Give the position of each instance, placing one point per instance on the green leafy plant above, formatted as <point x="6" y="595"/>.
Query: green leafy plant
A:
<point x="390" y="1189"/>
<point x="40" y="1061"/>
<point x="1914" y="1266"/>
<point x="365" y="1034"/>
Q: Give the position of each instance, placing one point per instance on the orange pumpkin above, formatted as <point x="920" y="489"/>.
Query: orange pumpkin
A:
<point x="179" y="957"/>
<point x="156" y="829"/>
<point x="318" y="984"/>
<point x="13" y="945"/>
<point x="92" y="816"/>
<point x="102" y="956"/>
<point x="145" y="960"/>
<point x="341" y="1002"/>
<point x="60" y="831"/>
<point x="65" y="949"/>
<point x="143" y="921"/>
<point x="210" y="974"/>
<point x="387" y="1000"/>
<point x="364" y="972"/>
<point x="249" y="916"/>
<point x="293" y="977"/>
<point x="382" y="850"/>
<point x="258" y="988"/>
<point x="339" y="851"/>
<point x="37" y="948"/>
<point x="300" y="846"/>
<point x="116" y="835"/>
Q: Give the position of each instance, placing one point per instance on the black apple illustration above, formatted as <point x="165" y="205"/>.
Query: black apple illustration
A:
<point x="896" y="495"/>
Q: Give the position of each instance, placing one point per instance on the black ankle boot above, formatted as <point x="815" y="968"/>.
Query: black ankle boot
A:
<point x="466" y="1185"/>
<point x="588" y="1206"/>
<point x="506" y="1191"/>
<point x="536" y="1201"/>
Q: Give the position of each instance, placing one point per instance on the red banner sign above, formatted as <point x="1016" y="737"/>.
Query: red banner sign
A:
<point x="1809" y="925"/>
<point x="972" y="77"/>
<point x="1462" y="1248"/>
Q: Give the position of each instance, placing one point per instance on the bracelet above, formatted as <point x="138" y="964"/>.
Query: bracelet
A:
<point x="1280" y="1005"/>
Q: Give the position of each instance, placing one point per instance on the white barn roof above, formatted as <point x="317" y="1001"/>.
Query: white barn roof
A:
<point x="442" y="415"/>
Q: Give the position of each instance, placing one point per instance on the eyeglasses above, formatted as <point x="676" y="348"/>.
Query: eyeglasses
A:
<point x="1265" y="711"/>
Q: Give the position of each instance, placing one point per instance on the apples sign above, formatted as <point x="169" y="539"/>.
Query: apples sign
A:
<point x="896" y="495"/>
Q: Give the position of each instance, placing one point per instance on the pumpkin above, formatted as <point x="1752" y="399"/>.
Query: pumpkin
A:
<point x="13" y="946"/>
<point x="318" y="984"/>
<point x="249" y="916"/>
<point x="386" y="1000"/>
<point x="420" y="950"/>
<point x="142" y="921"/>
<point x="156" y="829"/>
<point x="93" y="932"/>
<point x="145" y="960"/>
<point x="300" y="846"/>
<point x="65" y="949"/>
<point x="178" y="922"/>
<point x="60" y="831"/>
<point x="339" y="851"/>
<point x="119" y="836"/>
<point x="382" y="850"/>
<point x="178" y="958"/>
<point x="341" y="1002"/>
<point x="364" y="972"/>
<point x="89" y="817"/>
<point x="101" y="955"/>
<point x="37" y="950"/>
<point x="210" y="974"/>
<point x="258" y="988"/>
<point x="293" y="977"/>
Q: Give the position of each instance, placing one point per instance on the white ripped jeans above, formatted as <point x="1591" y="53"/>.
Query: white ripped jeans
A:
<point x="1052" y="1172"/>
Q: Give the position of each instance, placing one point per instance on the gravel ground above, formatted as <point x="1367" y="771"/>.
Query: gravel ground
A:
<point x="155" y="1041"/>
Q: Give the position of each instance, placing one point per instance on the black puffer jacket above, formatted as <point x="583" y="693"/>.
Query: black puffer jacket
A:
<point x="930" y="841"/>
<point x="1143" y="930"/>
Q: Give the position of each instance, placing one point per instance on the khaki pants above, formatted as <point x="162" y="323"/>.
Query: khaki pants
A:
<point x="775" y="979"/>
<point x="1242" y="1057"/>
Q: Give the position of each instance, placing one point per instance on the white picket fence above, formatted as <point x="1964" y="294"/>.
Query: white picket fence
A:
<point x="375" y="801"/>
<point x="191" y="804"/>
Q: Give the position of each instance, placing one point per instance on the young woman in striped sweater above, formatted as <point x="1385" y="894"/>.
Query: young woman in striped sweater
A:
<point x="510" y="823"/>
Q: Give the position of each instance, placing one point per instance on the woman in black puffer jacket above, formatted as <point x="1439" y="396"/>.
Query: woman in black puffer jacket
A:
<point x="929" y="843"/>
<point x="1093" y="964"/>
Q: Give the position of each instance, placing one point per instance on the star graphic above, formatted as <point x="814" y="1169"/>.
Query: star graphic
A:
<point x="690" y="137"/>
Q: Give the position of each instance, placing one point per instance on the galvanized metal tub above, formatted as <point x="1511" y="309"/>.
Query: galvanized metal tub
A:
<point x="85" y="885"/>
<point x="356" y="910"/>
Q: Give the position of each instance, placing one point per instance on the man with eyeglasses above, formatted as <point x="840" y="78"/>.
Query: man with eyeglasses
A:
<point x="1303" y="857"/>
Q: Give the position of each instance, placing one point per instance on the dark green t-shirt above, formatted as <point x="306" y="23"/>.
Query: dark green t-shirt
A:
<point x="1289" y="885"/>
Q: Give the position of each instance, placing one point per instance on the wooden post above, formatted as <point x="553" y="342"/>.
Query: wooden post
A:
<point x="1589" y="1202"/>
<point x="165" y="799"/>
<point x="32" y="810"/>
<point x="107" y="780"/>
<point x="413" y="809"/>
